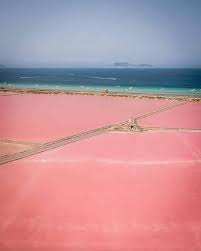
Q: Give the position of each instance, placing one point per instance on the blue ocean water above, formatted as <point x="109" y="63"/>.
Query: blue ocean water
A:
<point x="143" y="80"/>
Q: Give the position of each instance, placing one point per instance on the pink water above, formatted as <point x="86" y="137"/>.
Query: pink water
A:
<point x="117" y="191"/>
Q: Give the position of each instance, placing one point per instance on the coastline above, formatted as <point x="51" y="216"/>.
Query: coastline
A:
<point x="174" y="96"/>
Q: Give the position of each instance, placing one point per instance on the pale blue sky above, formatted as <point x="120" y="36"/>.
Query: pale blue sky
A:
<point x="95" y="33"/>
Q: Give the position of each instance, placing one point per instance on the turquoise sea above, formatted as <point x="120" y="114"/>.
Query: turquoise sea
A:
<point x="139" y="80"/>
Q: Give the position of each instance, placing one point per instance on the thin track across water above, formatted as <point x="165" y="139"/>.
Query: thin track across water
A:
<point x="38" y="148"/>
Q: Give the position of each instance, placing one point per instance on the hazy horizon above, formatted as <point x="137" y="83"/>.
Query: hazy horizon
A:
<point x="84" y="66"/>
<point x="65" y="33"/>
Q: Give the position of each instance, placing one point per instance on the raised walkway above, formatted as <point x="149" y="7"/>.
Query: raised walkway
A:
<point x="120" y="127"/>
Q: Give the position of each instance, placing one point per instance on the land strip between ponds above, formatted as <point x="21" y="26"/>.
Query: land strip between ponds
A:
<point x="173" y="96"/>
<point x="18" y="142"/>
<point x="171" y="129"/>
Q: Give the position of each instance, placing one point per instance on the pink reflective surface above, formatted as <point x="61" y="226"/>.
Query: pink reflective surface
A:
<point x="117" y="191"/>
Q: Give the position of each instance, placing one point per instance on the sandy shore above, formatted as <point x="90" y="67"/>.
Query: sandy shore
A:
<point x="12" y="90"/>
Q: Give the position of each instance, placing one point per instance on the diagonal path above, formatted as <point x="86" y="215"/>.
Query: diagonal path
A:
<point x="163" y="109"/>
<point x="54" y="144"/>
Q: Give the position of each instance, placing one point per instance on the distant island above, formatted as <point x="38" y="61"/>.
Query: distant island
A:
<point x="2" y="66"/>
<point x="126" y="64"/>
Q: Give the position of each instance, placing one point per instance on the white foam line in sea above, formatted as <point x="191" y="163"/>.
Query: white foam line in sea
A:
<point x="27" y="77"/>
<point x="99" y="77"/>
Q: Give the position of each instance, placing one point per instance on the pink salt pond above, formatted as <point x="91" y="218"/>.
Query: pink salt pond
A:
<point x="115" y="191"/>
